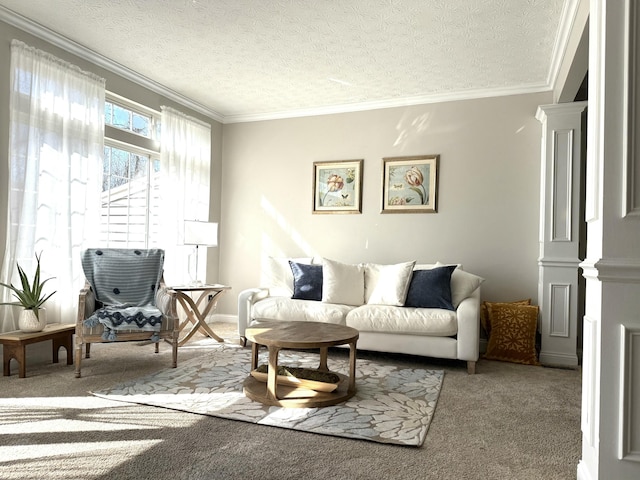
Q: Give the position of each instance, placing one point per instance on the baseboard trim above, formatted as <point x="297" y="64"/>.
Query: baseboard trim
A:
<point x="558" y="359"/>
<point x="583" y="472"/>
<point x="224" y="318"/>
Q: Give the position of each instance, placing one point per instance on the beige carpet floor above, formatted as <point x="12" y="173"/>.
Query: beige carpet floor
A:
<point x="506" y="422"/>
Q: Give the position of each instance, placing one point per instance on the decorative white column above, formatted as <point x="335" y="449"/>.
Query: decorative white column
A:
<point x="611" y="351"/>
<point x="560" y="227"/>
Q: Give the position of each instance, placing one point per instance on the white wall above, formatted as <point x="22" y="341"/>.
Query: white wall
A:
<point x="488" y="194"/>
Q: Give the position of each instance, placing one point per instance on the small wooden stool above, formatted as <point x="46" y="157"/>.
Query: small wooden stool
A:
<point x="14" y="343"/>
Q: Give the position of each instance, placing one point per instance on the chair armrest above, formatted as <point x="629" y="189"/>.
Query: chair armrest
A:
<point x="468" y="313"/>
<point x="86" y="303"/>
<point x="166" y="301"/>
<point x="246" y="299"/>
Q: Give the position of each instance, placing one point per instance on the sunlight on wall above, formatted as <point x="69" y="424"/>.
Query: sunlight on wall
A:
<point x="409" y="128"/>
<point x="270" y="247"/>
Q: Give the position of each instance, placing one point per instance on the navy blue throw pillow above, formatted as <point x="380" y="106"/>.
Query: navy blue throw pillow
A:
<point x="431" y="288"/>
<point x="307" y="281"/>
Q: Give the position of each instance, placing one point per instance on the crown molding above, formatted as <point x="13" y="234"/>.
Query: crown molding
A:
<point x="37" y="30"/>
<point x="567" y="21"/>
<point x="391" y="103"/>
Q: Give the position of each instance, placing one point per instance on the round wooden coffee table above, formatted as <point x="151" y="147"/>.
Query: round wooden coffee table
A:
<point x="300" y="335"/>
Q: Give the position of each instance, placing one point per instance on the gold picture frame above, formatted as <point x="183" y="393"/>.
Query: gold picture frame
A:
<point x="410" y="184"/>
<point x="337" y="186"/>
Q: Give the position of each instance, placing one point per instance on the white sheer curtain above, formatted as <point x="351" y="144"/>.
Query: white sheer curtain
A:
<point x="55" y="160"/>
<point x="185" y="164"/>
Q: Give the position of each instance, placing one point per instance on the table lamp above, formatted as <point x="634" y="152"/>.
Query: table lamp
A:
<point x="200" y="234"/>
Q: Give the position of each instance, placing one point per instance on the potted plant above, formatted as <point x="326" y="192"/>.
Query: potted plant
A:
<point x="30" y="297"/>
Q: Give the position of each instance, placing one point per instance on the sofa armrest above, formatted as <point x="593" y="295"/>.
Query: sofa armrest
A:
<point x="468" y="313"/>
<point x="246" y="299"/>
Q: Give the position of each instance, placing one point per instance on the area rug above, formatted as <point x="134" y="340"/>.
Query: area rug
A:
<point x="392" y="405"/>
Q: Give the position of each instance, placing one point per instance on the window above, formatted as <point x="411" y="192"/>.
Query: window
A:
<point x="126" y="119"/>
<point x="131" y="175"/>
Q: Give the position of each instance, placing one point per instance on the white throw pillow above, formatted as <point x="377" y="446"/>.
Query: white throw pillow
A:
<point x="277" y="275"/>
<point x="424" y="266"/>
<point x="463" y="284"/>
<point x="342" y="283"/>
<point x="387" y="284"/>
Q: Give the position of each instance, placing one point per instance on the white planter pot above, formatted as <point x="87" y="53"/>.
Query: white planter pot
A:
<point x="28" y="322"/>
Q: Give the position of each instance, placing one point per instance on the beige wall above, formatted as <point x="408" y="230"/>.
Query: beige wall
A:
<point x="488" y="195"/>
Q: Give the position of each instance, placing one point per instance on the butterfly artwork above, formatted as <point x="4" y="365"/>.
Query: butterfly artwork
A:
<point x="337" y="186"/>
<point x="409" y="184"/>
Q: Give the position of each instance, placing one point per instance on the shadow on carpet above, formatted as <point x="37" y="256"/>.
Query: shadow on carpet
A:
<point x="392" y="405"/>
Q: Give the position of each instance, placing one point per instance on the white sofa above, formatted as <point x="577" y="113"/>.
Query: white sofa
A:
<point x="378" y="300"/>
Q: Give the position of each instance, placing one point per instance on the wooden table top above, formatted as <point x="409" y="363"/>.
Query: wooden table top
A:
<point x="195" y="288"/>
<point x="18" y="335"/>
<point x="301" y="334"/>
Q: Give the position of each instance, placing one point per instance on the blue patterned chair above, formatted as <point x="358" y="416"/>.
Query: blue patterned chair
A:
<point x="125" y="299"/>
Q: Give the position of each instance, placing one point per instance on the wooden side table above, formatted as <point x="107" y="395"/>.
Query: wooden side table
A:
<point x="197" y="310"/>
<point x="14" y="343"/>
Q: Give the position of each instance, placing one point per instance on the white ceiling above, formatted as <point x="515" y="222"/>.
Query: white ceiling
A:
<point x="251" y="59"/>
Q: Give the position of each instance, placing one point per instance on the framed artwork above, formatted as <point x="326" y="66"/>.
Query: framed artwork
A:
<point x="337" y="186"/>
<point x="410" y="184"/>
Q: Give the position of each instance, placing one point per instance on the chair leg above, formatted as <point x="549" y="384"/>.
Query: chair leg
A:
<point x="87" y="350"/>
<point x="78" y="355"/>
<point x="157" y="347"/>
<point x="174" y="350"/>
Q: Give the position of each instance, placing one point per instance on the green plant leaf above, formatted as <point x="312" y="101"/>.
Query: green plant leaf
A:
<point x="30" y="296"/>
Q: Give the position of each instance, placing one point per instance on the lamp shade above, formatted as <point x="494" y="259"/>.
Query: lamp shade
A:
<point x="200" y="233"/>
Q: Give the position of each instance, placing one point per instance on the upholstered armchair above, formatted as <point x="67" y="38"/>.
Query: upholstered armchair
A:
<point x="125" y="299"/>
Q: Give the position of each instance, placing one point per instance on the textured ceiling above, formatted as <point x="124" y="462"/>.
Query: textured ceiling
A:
<point x="253" y="58"/>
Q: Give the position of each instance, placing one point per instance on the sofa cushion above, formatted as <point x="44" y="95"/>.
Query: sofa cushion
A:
<point x="424" y="266"/>
<point x="485" y="321"/>
<point x="513" y="333"/>
<point x="463" y="284"/>
<point x="307" y="281"/>
<point x="387" y="284"/>
<point x="404" y="320"/>
<point x="284" y="308"/>
<point x="277" y="276"/>
<point x="431" y="288"/>
<point x="342" y="283"/>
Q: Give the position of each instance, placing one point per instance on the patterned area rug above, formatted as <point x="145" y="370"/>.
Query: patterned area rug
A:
<point x="392" y="405"/>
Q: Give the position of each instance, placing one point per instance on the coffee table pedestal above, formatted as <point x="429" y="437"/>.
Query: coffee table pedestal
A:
<point x="303" y="335"/>
<point x="297" y="397"/>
